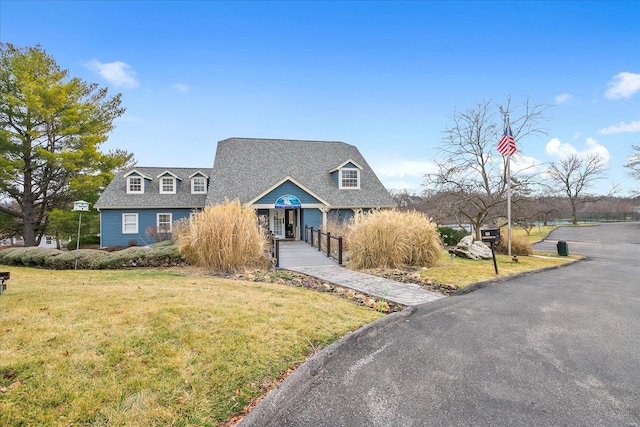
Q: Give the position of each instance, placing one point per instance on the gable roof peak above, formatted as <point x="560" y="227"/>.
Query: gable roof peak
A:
<point x="343" y="164"/>
<point x="168" y="172"/>
<point x="136" y="171"/>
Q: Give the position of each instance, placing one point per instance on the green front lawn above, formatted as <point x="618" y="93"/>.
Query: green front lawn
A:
<point x="144" y="347"/>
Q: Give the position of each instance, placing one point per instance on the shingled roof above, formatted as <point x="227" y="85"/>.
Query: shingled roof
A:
<point x="115" y="195"/>
<point x="245" y="168"/>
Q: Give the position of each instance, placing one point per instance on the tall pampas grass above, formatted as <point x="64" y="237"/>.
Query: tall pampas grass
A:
<point x="393" y="239"/>
<point x="223" y="238"/>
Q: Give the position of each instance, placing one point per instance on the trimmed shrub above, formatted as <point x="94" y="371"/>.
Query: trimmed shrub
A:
<point x="84" y="240"/>
<point x="37" y="257"/>
<point x="86" y="258"/>
<point x="29" y="256"/>
<point x="451" y="236"/>
<point x="160" y="255"/>
<point x="223" y="238"/>
<point x="392" y="239"/>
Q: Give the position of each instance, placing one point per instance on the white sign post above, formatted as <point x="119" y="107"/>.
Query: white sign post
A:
<point x="80" y="206"/>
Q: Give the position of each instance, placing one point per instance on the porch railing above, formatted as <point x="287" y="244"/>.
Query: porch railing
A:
<point x="274" y="251"/>
<point x="325" y="242"/>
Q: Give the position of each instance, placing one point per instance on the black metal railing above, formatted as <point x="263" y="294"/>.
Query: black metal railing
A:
<point x="325" y="242"/>
<point x="274" y="251"/>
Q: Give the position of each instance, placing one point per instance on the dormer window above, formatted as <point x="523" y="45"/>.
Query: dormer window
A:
<point x="134" y="185"/>
<point x="198" y="182"/>
<point x="347" y="175"/>
<point x="349" y="178"/>
<point x="167" y="182"/>
<point x="167" y="185"/>
<point x="198" y="185"/>
<point x="135" y="182"/>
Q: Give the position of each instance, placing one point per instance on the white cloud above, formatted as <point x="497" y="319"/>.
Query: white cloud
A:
<point x="621" y="128"/>
<point x="117" y="73"/>
<point x="594" y="147"/>
<point x="623" y="85"/>
<point x="556" y="148"/>
<point x="405" y="168"/>
<point x="524" y="165"/>
<point x="180" y="87"/>
<point x="561" y="150"/>
<point x="563" y="98"/>
<point x="402" y="174"/>
<point x="402" y="185"/>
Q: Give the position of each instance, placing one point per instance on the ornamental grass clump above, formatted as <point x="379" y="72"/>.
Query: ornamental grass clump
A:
<point x="224" y="238"/>
<point x="392" y="239"/>
<point x="520" y="245"/>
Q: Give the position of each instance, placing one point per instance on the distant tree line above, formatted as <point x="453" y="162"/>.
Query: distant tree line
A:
<point x="526" y="211"/>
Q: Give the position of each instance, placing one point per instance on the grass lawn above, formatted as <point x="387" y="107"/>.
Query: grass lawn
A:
<point x="145" y="347"/>
<point x="464" y="272"/>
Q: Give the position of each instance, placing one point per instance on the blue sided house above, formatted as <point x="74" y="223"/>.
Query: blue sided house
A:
<point x="290" y="183"/>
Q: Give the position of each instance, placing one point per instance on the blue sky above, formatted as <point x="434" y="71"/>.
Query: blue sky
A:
<point x="384" y="76"/>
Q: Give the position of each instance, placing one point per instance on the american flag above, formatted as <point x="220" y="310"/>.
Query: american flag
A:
<point x="507" y="145"/>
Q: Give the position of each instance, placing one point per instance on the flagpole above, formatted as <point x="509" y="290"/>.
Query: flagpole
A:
<point x="508" y="194"/>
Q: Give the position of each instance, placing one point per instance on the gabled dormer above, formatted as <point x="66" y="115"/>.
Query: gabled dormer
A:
<point x="199" y="182"/>
<point x="347" y="175"/>
<point x="168" y="182"/>
<point x="136" y="182"/>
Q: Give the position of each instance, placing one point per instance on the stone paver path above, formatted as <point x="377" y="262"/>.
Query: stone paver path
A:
<point x="302" y="258"/>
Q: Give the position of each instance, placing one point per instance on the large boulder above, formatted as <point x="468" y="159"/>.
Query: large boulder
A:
<point x="468" y="248"/>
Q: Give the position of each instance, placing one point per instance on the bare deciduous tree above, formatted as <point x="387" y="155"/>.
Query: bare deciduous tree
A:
<point x="471" y="173"/>
<point x="575" y="175"/>
<point x="634" y="162"/>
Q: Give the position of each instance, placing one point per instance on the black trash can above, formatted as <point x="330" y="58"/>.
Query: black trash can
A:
<point x="563" y="248"/>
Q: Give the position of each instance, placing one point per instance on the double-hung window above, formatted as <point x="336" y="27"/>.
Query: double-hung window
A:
<point x="129" y="223"/>
<point x="167" y="185"/>
<point x="163" y="222"/>
<point x="350" y="178"/>
<point x="198" y="185"/>
<point x="134" y="184"/>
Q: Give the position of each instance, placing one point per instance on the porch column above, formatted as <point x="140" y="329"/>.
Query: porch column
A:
<point x="324" y="217"/>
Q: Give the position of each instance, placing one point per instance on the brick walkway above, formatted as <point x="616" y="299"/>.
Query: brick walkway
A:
<point x="302" y="258"/>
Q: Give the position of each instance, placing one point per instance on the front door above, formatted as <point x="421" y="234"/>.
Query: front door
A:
<point x="290" y="223"/>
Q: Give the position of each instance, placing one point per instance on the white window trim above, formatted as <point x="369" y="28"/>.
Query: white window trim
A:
<point x="170" y="230"/>
<point x="193" y="181"/>
<point x="357" y="187"/>
<point x="162" y="191"/>
<point x="129" y="191"/>
<point x="135" y="215"/>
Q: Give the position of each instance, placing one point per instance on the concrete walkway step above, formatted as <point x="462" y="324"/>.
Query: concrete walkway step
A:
<point x="302" y="258"/>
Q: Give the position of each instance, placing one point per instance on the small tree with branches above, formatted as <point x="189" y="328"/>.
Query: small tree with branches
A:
<point x="575" y="175"/>
<point x="634" y="163"/>
<point x="471" y="181"/>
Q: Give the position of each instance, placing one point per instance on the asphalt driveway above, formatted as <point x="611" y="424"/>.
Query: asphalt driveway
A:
<point x="558" y="347"/>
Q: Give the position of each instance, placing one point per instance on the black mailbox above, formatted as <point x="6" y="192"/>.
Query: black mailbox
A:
<point x="491" y="235"/>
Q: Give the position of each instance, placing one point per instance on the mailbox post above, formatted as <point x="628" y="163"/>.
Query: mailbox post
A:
<point x="80" y="206"/>
<point x="492" y="236"/>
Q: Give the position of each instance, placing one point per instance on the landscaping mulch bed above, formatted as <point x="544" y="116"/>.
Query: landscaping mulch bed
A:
<point x="299" y="280"/>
